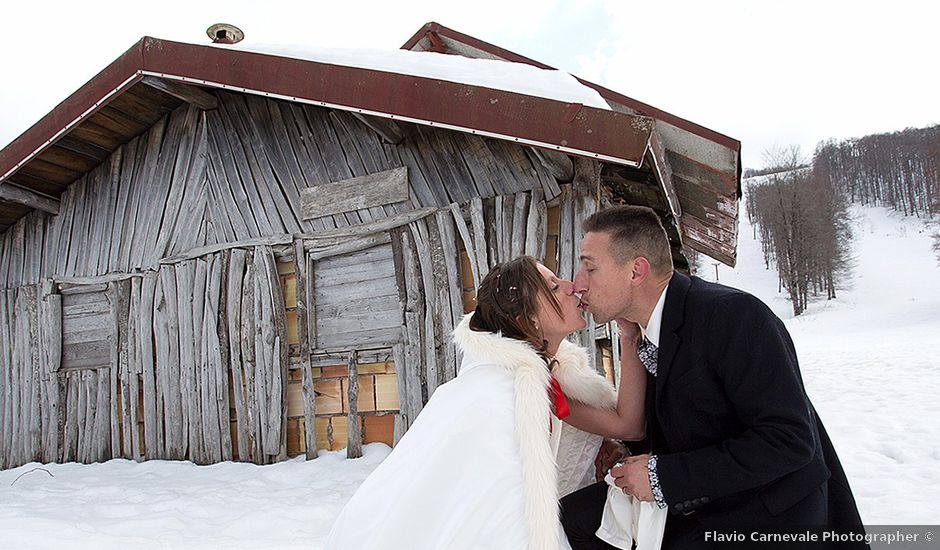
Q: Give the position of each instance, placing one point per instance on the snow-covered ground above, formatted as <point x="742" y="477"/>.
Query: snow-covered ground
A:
<point x="870" y="359"/>
<point x="161" y="504"/>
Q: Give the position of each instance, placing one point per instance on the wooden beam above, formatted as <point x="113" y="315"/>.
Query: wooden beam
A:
<point x="190" y="94"/>
<point x="369" y="228"/>
<point x="664" y="170"/>
<point x="388" y="129"/>
<point x="558" y="164"/>
<point x="348" y="247"/>
<point x="14" y="193"/>
<point x="198" y="252"/>
<point x="378" y="189"/>
<point x="324" y="358"/>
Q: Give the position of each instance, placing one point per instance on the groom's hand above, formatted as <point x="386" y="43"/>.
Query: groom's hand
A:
<point x="633" y="477"/>
<point x="610" y="453"/>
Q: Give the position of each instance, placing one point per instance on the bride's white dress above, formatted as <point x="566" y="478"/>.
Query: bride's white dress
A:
<point x="477" y="469"/>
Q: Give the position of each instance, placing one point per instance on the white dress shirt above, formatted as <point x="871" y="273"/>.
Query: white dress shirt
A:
<point x="655" y="322"/>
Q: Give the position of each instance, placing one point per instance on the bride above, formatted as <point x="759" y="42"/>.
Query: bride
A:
<point x="485" y="463"/>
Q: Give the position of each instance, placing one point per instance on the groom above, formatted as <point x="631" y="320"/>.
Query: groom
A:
<point x="732" y="439"/>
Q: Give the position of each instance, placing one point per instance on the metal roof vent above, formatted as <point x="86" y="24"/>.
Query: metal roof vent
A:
<point x="223" y="33"/>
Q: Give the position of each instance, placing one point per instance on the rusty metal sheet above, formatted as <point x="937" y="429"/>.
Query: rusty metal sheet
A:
<point x="708" y="240"/>
<point x="709" y="220"/>
<point x="701" y="174"/>
<point x="572" y="128"/>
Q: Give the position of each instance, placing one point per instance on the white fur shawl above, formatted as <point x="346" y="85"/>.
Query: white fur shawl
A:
<point x="578" y="380"/>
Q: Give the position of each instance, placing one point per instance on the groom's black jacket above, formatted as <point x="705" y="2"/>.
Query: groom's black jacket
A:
<point x="737" y="439"/>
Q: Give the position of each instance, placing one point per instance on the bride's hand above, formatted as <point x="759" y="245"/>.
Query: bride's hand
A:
<point x="629" y="331"/>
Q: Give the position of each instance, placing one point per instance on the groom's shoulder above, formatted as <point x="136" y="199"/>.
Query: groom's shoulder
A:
<point x="719" y="296"/>
<point x="705" y="288"/>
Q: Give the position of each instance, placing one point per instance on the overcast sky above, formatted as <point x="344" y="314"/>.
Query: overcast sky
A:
<point x="769" y="73"/>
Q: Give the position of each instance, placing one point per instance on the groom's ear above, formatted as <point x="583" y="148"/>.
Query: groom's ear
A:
<point x="641" y="270"/>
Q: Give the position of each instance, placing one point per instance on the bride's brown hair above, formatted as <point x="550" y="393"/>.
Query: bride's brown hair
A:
<point x="508" y="301"/>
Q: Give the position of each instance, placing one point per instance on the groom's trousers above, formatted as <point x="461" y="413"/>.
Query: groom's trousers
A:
<point x="581" y="517"/>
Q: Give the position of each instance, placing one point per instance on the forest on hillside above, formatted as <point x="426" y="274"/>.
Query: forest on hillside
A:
<point x="798" y="206"/>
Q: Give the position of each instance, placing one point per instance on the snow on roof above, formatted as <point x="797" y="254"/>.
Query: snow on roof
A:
<point x="497" y="74"/>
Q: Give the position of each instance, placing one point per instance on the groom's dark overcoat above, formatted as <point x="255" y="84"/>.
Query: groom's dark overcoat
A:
<point x="738" y="441"/>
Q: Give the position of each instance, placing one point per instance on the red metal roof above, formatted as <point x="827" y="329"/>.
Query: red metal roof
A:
<point x="572" y="128"/>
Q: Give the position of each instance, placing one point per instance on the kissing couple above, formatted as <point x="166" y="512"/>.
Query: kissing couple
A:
<point x="524" y="449"/>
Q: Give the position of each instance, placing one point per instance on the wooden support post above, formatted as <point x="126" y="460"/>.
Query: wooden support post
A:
<point x="517" y="245"/>
<point x="536" y="226"/>
<point x="35" y="371"/>
<point x="584" y="193"/>
<point x="114" y="299"/>
<point x="146" y="353"/>
<point x="419" y="233"/>
<point x="353" y="423"/>
<point x="250" y="379"/>
<point x="235" y="307"/>
<point x="401" y="419"/>
<point x="51" y="330"/>
<point x="300" y="272"/>
<point x="464" y="232"/>
<point x="566" y="235"/>
<point x="479" y="237"/>
<point x="14" y="193"/>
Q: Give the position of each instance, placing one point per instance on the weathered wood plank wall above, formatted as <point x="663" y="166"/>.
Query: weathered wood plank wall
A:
<point x="146" y="319"/>
<point x="235" y="173"/>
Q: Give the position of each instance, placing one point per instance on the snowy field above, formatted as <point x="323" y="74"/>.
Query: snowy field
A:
<point x="870" y="359"/>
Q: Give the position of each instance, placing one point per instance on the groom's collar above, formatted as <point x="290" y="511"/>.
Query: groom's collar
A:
<point x="652" y="328"/>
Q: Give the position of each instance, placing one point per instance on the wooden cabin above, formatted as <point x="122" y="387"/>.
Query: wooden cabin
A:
<point x="215" y="254"/>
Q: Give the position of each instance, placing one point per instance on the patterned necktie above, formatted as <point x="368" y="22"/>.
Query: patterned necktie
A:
<point x="649" y="355"/>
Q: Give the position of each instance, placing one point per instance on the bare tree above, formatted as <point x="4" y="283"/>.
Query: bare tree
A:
<point x="800" y="211"/>
<point x="936" y="245"/>
<point x="783" y="159"/>
<point x="900" y="170"/>
<point x="936" y="233"/>
<point x="801" y="219"/>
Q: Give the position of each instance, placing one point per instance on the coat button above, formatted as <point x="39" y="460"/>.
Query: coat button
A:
<point x="704" y="500"/>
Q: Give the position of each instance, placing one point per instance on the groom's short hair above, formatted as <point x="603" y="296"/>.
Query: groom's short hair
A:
<point x="634" y="231"/>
